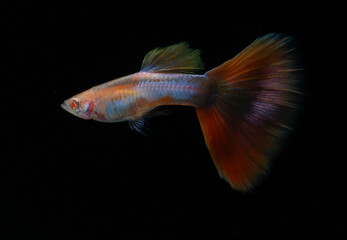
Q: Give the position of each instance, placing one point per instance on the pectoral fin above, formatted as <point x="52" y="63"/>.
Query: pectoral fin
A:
<point x="139" y="126"/>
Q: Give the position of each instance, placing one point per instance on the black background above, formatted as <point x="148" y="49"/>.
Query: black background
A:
<point x="62" y="177"/>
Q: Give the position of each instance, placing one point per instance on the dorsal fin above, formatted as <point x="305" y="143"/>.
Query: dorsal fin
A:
<point x="178" y="58"/>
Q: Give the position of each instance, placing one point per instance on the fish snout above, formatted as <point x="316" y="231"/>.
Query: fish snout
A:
<point x="64" y="106"/>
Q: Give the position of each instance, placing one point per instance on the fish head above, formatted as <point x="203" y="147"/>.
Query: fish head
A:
<point x="79" y="106"/>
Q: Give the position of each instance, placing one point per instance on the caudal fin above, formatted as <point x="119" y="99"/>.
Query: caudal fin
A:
<point x="254" y="98"/>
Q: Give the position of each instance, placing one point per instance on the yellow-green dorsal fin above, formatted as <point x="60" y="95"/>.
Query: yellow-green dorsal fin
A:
<point x="178" y="58"/>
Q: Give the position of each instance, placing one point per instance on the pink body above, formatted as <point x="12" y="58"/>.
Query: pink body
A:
<point x="132" y="96"/>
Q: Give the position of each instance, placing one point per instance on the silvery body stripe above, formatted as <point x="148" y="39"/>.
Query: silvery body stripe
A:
<point x="185" y="89"/>
<point x="139" y="93"/>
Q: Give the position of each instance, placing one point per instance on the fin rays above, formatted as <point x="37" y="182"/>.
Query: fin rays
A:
<point x="255" y="104"/>
<point x="178" y="58"/>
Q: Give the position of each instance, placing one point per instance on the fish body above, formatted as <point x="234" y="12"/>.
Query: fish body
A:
<point x="132" y="96"/>
<point x="245" y="106"/>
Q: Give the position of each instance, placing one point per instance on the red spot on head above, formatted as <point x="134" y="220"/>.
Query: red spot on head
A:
<point x="73" y="105"/>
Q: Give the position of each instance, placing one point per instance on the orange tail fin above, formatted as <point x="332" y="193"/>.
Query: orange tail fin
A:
<point x="253" y="107"/>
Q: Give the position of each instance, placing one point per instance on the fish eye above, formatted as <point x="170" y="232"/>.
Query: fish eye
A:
<point x="74" y="104"/>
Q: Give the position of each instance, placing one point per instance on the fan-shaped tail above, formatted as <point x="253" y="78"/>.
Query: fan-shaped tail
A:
<point x="253" y="105"/>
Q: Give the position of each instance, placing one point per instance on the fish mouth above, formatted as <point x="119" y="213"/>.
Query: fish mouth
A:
<point x="77" y="113"/>
<point x="65" y="106"/>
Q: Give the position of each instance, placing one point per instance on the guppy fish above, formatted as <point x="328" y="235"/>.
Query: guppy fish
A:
<point x="245" y="106"/>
